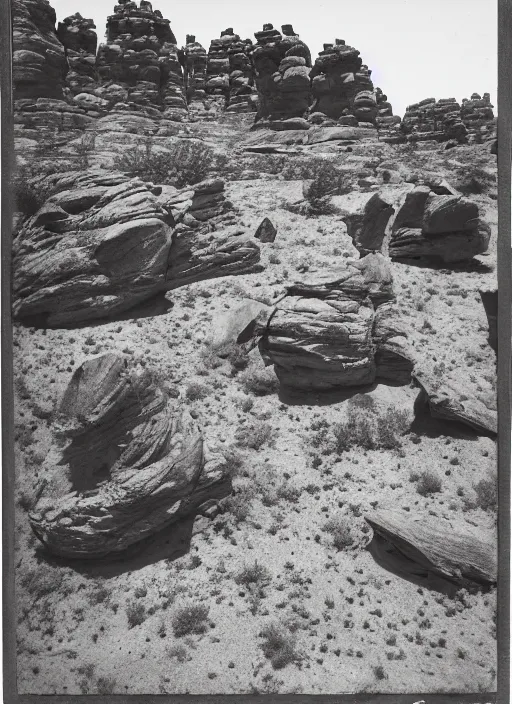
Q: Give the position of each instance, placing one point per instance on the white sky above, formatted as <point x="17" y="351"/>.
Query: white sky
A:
<point x="416" y="48"/>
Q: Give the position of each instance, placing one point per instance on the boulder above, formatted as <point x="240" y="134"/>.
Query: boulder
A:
<point x="239" y="325"/>
<point x="450" y="399"/>
<point x="104" y="242"/>
<point x="367" y="229"/>
<point x="266" y="231"/>
<point x="125" y="462"/>
<point x="422" y="545"/>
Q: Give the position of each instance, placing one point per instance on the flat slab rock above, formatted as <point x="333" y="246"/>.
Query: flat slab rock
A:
<point x="126" y="461"/>
<point x="450" y="399"/>
<point x="103" y="242"/>
<point x="434" y="545"/>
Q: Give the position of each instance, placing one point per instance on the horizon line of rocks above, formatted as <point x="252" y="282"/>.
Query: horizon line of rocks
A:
<point x="140" y="67"/>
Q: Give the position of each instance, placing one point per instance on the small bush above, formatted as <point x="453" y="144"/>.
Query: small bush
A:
<point x="253" y="575"/>
<point x="239" y="504"/>
<point x="339" y="529"/>
<point x="255" y="435"/>
<point x="136" y="613"/>
<point x="279" y="645"/>
<point x="379" y="673"/>
<point x="366" y="429"/>
<point x="190" y="619"/>
<point x="487" y="494"/>
<point x="106" y="685"/>
<point x="429" y="483"/>
<point x="196" y="391"/>
<point x="260" y="382"/>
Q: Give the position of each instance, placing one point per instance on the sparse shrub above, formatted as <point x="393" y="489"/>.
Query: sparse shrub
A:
<point x="339" y="529"/>
<point x="428" y="483"/>
<point x="260" y="382"/>
<point x="42" y="581"/>
<point x="255" y="435"/>
<point x="237" y="357"/>
<point x="136" y="613"/>
<point x="179" y="652"/>
<point x="279" y="645"/>
<point x="187" y="162"/>
<point x="106" y="685"/>
<point x="239" y="504"/>
<point x="253" y="575"/>
<point x="379" y="673"/>
<point x="190" y="619"/>
<point x="487" y="494"/>
<point x="473" y="182"/>
<point x="196" y="391"/>
<point x="84" y="147"/>
<point x="234" y="461"/>
<point x="366" y="429"/>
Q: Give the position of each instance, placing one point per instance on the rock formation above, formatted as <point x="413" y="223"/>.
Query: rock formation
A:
<point x="422" y="545"/>
<point x="104" y="242"/>
<point x="367" y="229"/>
<point x="450" y="399"/>
<point x="126" y="461"/>
<point x="434" y="120"/>
<point x="282" y="66"/>
<point x="230" y="73"/>
<point x="78" y="36"/>
<point x="438" y="227"/>
<point x="139" y="62"/>
<point x="194" y="59"/>
<point x="478" y="117"/>
<point x="490" y="301"/>
<point x="338" y="331"/>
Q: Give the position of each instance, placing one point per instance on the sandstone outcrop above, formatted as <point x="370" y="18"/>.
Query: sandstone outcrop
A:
<point x="438" y="227"/>
<point x="450" y="399"/>
<point x="478" y="117"/>
<point x="230" y="76"/>
<point x="78" y="36"/>
<point x="126" y="462"/>
<point x="104" y="242"/>
<point x="194" y="60"/>
<point x="424" y="546"/>
<point x="329" y="334"/>
<point x="367" y="229"/>
<point x="139" y="62"/>
<point x="434" y="120"/>
<point x="282" y="66"/>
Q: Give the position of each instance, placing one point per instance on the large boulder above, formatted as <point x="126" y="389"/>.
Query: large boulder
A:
<point x="326" y="334"/>
<point x="103" y="242"/>
<point x="367" y="229"/>
<point x="423" y="546"/>
<point x="437" y="227"/>
<point x="125" y="463"/>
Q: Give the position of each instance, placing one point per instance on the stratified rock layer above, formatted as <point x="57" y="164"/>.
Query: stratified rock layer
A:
<point x="194" y="60"/>
<point x="104" y="242"/>
<point x="327" y="334"/>
<point x="478" y="117"/>
<point x="437" y="227"/>
<point x="434" y="120"/>
<point x="435" y="546"/>
<point x="367" y="229"/>
<point x="78" y="36"/>
<point x="125" y="463"/>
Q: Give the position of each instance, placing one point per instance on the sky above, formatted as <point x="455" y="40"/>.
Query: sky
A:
<point x="416" y="48"/>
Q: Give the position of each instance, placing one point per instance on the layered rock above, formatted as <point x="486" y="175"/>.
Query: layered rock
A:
<point x="367" y="229"/>
<point x="331" y="334"/>
<point x="194" y="60"/>
<point x="230" y="77"/>
<point x="388" y="124"/>
<point x="450" y="399"/>
<point x="78" y="36"/>
<point x="282" y="66"/>
<point x="478" y="117"/>
<point x="139" y="62"/>
<point x="104" y="242"/>
<point x="39" y="62"/>
<point x="438" y="227"/>
<point x="341" y="86"/>
<point x="434" y="120"/>
<point x="423" y="546"/>
<point x="125" y="462"/>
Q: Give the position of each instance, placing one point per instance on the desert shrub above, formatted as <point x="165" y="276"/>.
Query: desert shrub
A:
<point x="136" y="613"/>
<point x="366" y="429"/>
<point x="429" y="483"/>
<point x="253" y="575"/>
<point x="190" y="619"/>
<point x="233" y="461"/>
<point x="237" y="357"/>
<point x="42" y="581"/>
<point x="179" y="652"/>
<point x="339" y="529"/>
<point x="84" y="147"/>
<point x="106" y="685"/>
<point x="196" y="391"/>
<point x="279" y="645"/>
<point x="474" y="181"/>
<point x="259" y="381"/>
<point x="30" y="192"/>
<point x="239" y="504"/>
<point x="487" y="494"/>
<point x="255" y="435"/>
<point x="186" y="163"/>
<point x="379" y="673"/>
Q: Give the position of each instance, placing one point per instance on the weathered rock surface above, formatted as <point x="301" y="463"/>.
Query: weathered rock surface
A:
<point x="450" y="399"/>
<point x="126" y="462"/>
<point x="239" y="325"/>
<point x="282" y="65"/>
<point x="78" y="36"/>
<point x="433" y="545"/>
<point x="434" y="120"/>
<point x="266" y="232"/>
<point x="478" y="117"/>
<point x="438" y="227"/>
<point x="103" y="242"/>
<point x="194" y="59"/>
<point x="231" y="73"/>
<point x="325" y="334"/>
<point x="367" y="229"/>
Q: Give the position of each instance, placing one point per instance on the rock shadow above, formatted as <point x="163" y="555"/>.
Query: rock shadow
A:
<point x="426" y="425"/>
<point x="473" y="266"/>
<point x="295" y="397"/>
